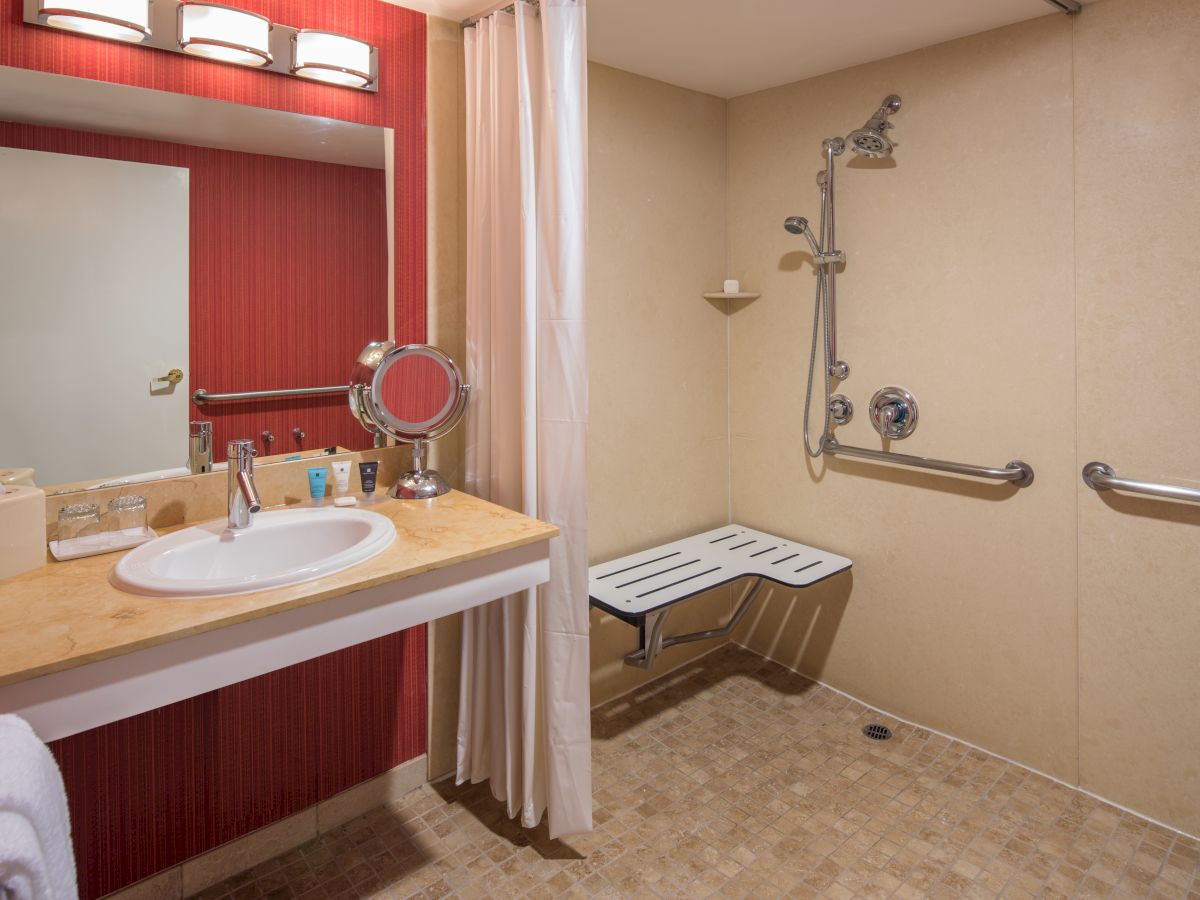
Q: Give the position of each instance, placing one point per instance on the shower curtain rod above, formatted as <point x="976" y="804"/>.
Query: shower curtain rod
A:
<point x="499" y="7"/>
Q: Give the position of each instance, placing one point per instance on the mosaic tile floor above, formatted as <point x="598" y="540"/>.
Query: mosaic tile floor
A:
<point x="733" y="777"/>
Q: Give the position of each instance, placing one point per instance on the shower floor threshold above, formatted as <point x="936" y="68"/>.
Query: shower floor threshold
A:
<point x="643" y="583"/>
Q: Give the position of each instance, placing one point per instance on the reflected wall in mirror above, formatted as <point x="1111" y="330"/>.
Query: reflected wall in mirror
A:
<point x="419" y="391"/>
<point x="415" y="394"/>
<point x="266" y="269"/>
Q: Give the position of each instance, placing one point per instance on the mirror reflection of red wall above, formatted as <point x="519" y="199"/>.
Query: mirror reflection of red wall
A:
<point x="415" y="388"/>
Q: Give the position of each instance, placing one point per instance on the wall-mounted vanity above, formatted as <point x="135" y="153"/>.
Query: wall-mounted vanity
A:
<point x="77" y="652"/>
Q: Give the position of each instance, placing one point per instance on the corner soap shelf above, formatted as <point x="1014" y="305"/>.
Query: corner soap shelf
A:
<point x="740" y="295"/>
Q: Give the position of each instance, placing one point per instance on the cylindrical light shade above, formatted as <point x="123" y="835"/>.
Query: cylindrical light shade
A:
<point x="332" y="58"/>
<point x="122" y="20"/>
<point x="225" y="34"/>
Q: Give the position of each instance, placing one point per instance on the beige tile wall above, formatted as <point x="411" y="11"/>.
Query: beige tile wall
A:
<point x="446" y="308"/>
<point x="658" y="350"/>
<point x="995" y="271"/>
<point x="1137" y="157"/>
<point x="960" y="612"/>
<point x="658" y="439"/>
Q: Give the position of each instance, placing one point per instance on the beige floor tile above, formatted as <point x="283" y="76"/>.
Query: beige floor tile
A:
<point x="737" y="778"/>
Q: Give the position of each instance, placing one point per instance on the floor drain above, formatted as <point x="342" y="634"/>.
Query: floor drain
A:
<point x="877" y="732"/>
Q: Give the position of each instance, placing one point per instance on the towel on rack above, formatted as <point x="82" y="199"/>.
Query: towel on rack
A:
<point x="36" y="858"/>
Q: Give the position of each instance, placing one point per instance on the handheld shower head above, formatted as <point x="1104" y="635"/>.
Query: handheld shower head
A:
<point x="796" y="224"/>
<point x="799" y="225"/>
<point x="872" y="140"/>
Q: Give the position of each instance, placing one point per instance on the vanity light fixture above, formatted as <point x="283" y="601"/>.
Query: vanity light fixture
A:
<point x="215" y="31"/>
<point x="120" y="20"/>
<point x="225" y="34"/>
<point x="332" y="58"/>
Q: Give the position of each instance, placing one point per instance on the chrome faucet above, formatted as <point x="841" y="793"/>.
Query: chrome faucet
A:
<point x="243" y="495"/>
<point x="199" y="447"/>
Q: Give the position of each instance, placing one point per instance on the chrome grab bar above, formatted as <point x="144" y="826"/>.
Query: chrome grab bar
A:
<point x="1101" y="477"/>
<point x="1018" y="473"/>
<point x="200" y="396"/>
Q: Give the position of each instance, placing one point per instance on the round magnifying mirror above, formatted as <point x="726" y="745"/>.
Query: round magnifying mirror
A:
<point x="416" y="394"/>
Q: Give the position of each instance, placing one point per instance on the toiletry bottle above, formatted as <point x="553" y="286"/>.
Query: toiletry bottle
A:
<point x="341" y="477"/>
<point x="367" y="472"/>
<point x="316" y="484"/>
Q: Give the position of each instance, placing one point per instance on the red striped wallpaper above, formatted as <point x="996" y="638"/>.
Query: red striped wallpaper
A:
<point x="399" y="34"/>
<point x="150" y="791"/>
<point x="153" y="790"/>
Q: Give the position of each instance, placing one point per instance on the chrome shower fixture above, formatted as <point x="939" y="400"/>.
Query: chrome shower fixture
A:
<point x="894" y="413"/>
<point x="799" y="225"/>
<point x="871" y="140"/>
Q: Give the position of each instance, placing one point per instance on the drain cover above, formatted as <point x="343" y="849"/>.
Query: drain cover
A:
<point x="877" y="732"/>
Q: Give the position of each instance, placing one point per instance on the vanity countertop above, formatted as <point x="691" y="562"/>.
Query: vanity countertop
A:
<point x="67" y="614"/>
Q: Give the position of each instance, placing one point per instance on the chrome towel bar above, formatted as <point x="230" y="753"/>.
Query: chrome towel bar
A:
<point x="200" y="396"/>
<point x="1017" y="473"/>
<point x="1101" y="477"/>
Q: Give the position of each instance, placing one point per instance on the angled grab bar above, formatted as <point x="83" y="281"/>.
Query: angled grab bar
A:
<point x="1101" y="477"/>
<point x="1017" y="472"/>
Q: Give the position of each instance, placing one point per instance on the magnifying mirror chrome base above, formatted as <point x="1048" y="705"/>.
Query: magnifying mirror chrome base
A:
<point x="419" y="486"/>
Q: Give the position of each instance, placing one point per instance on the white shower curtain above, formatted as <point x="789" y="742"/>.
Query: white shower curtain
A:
<point x="524" y="706"/>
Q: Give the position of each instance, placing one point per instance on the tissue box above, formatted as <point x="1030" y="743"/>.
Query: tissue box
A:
<point x="22" y="529"/>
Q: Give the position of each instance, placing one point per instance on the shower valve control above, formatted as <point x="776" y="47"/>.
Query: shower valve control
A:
<point x="841" y="410"/>
<point x="894" y="413"/>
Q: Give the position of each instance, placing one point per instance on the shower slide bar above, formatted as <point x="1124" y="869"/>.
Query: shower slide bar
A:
<point x="1101" y="477"/>
<point x="1017" y="472"/>
<point x="200" y="396"/>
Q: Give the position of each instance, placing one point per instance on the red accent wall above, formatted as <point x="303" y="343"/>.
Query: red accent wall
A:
<point x="399" y="34"/>
<point x="297" y="310"/>
<point x="150" y="791"/>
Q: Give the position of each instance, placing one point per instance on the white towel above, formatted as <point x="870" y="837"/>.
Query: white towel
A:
<point x="36" y="859"/>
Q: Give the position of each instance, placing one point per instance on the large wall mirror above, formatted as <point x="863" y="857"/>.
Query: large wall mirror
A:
<point x="154" y="245"/>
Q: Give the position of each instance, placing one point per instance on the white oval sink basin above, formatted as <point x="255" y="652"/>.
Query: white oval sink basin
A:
<point x="287" y="546"/>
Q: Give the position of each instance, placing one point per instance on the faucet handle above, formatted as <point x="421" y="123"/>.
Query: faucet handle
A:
<point x="240" y="450"/>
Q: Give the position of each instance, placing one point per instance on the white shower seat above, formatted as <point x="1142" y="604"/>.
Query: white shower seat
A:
<point x="641" y="588"/>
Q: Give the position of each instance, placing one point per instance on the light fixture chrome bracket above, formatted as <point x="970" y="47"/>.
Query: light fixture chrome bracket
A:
<point x="164" y="35"/>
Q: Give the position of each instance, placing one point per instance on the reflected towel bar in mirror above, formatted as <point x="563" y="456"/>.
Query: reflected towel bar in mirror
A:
<point x="1017" y="473"/>
<point x="200" y="396"/>
<point x="1102" y="477"/>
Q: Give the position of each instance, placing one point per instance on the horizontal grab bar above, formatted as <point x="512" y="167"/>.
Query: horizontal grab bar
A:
<point x="200" y="396"/>
<point x="1101" y="477"/>
<point x="1017" y="473"/>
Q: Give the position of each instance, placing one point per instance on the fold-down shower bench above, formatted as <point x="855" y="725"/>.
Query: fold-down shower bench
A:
<point x="641" y="588"/>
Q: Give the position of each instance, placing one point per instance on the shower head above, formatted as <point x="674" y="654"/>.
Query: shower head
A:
<point x="799" y="225"/>
<point x="872" y="140"/>
<point x="796" y="224"/>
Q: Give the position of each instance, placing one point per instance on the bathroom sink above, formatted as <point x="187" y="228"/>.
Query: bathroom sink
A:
<point x="282" y="547"/>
